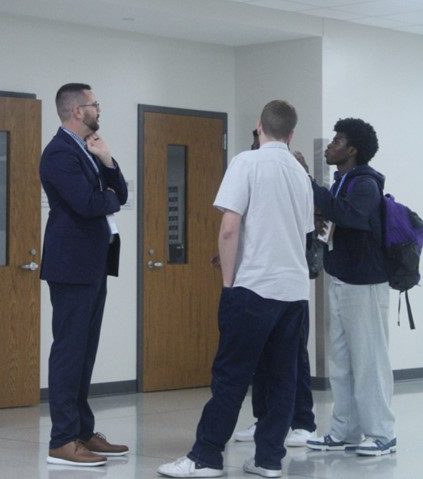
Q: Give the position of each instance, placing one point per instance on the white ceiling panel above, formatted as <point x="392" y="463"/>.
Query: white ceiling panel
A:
<point x="331" y="3"/>
<point x="381" y="22"/>
<point x="415" y="18"/>
<point x="223" y="22"/>
<point x="288" y="6"/>
<point x="413" y="29"/>
<point x="332" y="13"/>
<point x="384" y="7"/>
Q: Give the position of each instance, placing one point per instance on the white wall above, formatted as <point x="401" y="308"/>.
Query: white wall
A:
<point x="364" y="71"/>
<point x="124" y="70"/>
<point x="290" y="70"/>
<point x="376" y="74"/>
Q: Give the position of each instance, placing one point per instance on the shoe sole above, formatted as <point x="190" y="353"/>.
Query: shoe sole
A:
<point x="295" y="444"/>
<point x="65" y="462"/>
<point x="111" y="454"/>
<point x="363" y="452"/>
<point x="264" y="474"/>
<point x="196" y="473"/>
<point x="317" y="447"/>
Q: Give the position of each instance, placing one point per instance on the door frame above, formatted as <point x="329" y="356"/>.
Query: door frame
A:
<point x="140" y="208"/>
<point x="28" y="96"/>
<point x="13" y="94"/>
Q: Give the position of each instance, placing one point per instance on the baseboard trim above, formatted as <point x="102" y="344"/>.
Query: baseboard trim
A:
<point x="400" y="375"/>
<point x="412" y="374"/>
<point x="320" y="384"/>
<point x="103" y="389"/>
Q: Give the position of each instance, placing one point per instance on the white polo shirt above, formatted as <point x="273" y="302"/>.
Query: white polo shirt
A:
<point x="273" y="193"/>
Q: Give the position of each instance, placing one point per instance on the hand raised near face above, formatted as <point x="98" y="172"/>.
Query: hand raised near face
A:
<point x="98" y="147"/>
<point x="301" y="160"/>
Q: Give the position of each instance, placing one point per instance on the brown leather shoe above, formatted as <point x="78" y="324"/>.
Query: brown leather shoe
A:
<point x="74" y="453"/>
<point x="99" y="445"/>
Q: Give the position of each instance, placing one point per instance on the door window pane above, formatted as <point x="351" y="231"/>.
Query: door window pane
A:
<point x="176" y="204"/>
<point x="3" y="197"/>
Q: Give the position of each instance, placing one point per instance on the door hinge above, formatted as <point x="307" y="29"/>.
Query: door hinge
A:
<point x="224" y="141"/>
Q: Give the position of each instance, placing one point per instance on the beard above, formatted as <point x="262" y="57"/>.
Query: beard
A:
<point x="91" y="122"/>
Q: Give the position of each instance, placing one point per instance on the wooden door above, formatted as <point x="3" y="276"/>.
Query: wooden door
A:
<point x="20" y="203"/>
<point x="183" y="167"/>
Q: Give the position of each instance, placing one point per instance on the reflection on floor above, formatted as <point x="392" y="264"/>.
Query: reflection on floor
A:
<point x="161" y="426"/>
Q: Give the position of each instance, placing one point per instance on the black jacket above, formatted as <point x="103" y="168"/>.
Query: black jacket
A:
<point x="356" y="257"/>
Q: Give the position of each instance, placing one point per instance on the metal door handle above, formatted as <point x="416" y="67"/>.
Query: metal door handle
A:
<point x="31" y="266"/>
<point x="154" y="264"/>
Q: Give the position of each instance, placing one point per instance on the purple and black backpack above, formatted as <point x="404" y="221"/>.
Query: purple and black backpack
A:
<point x="402" y="239"/>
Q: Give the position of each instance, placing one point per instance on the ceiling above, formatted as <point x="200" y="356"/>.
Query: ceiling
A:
<point x="403" y="15"/>
<point x="223" y="22"/>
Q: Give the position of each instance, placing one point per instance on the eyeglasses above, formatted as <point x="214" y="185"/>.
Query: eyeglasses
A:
<point x="95" y="104"/>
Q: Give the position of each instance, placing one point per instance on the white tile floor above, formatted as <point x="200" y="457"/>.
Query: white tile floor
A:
<point x="159" y="427"/>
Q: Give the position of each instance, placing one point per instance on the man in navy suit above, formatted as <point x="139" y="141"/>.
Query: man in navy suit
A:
<point x="84" y="187"/>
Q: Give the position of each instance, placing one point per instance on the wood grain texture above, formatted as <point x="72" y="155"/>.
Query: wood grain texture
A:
<point x="20" y="289"/>
<point x="180" y="300"/>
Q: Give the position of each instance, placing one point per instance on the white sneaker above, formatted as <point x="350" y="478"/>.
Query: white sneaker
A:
<point x="298" y="438"/>
<point x="246" y="435"/>
<point x="184" y="467"/>
<point x="251" y="468"/>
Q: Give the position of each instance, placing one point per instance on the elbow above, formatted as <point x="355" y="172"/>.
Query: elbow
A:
<point x="228" y="234"/>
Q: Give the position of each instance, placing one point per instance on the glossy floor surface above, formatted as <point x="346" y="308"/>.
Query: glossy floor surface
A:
<point x="159" y="427"/>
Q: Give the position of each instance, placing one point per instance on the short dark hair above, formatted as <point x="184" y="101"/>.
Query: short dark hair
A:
<point x="66" y="95"/>
<point x="361" y="136"/>
<point x="278" y="119"/>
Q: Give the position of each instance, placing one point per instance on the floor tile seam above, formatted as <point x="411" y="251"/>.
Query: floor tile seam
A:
<point x="23" y="428"/>
<point x="24" y="441"/>
<point x="302" y="475"/>
<point x="199" y="409"/>
<point x="97" y="418"/>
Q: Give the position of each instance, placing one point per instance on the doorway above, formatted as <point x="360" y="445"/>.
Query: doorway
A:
<point x="182" y="157"/>
<point x="20" y="205"/>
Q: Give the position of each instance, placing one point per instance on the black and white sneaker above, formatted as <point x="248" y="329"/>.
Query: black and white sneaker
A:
<point x="375" y="447"/>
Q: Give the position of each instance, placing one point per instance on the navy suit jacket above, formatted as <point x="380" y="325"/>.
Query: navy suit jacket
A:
<point x="77" y="236"/>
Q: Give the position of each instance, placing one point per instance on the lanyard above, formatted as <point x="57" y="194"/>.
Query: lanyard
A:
<point x="340" y="185"/>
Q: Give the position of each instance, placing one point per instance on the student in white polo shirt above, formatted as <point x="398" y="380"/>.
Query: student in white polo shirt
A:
<point x="267" y="204"/>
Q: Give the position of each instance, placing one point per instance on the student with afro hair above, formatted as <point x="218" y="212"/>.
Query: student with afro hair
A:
<point x="359" y="366"/>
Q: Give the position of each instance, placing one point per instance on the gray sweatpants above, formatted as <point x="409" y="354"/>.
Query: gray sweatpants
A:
<point x="359" y="367"/>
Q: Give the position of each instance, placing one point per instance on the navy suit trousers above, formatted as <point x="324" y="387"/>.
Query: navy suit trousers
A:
<point x="77" y="316"/>
<point x="252" y="330"/>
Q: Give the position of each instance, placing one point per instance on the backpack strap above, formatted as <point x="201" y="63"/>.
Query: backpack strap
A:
<point x="410" y="314"/>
